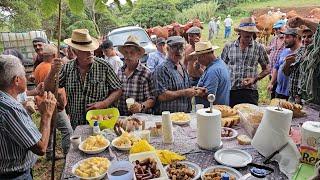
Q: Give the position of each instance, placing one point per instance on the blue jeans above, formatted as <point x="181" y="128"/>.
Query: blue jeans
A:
<point x="64" y="126"/>
<point x="25" y="176"/>
<point x="227" y="32"/>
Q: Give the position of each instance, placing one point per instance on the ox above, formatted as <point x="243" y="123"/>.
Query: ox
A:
<point x="264" y="24"/>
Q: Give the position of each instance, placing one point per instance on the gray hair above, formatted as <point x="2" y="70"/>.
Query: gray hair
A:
<point x="10" y="67"/>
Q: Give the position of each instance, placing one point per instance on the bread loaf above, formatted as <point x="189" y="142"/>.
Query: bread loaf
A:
<point x="244" y="139"/>
<point x="226" y="111"/>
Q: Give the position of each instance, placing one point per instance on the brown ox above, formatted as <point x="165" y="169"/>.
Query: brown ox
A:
<point x="292" y="14"/>
<point x="264" y="24"/>
<point x="314" y="13"/>
<point x="160" y="31"/>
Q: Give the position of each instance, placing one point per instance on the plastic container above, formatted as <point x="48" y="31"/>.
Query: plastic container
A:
<point x="123" y="168"/>
<point x="96" y="128"/>
<point x="104" y="124"/>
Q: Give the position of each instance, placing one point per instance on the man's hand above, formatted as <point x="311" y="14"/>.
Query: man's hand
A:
<point x="96" y="105"/>
<point x="270" y="87"/>
<point x="40" y="89"/>
<point x="248" y="82"/>
<point x="190" y="92"/>
<point x="47" y="104"/>
<point x="135" y="108"/>
<point x="295" y="22"/>
<point x="290" y="59"/>
<point x="201" y="91"/>
<point x="56" y="65"/>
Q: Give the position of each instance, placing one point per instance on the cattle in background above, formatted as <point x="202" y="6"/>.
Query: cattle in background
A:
<point x="265" y="23"/>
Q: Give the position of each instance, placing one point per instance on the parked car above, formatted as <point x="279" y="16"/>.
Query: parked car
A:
<point x="119" y="36"/>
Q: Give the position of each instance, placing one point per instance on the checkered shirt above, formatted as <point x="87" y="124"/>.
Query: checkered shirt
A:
<point x="244" y="64"/>
<point x="295" y="72"/>
<point x="276" y="45"/>
<point x="100" y="80"/>
<point x="166" y="77"/>
<point x="137" y="86"/>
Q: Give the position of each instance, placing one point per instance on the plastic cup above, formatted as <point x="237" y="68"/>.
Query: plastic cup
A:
<point x="75" y="141"/>
<point x="120" y="170"/>
<point x="130" y="102"/>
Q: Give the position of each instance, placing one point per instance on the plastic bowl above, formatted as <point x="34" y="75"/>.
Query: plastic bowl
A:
<point x="104" y="124"/>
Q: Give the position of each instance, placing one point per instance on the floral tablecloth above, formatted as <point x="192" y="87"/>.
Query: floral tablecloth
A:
<point x="185" y="143"/>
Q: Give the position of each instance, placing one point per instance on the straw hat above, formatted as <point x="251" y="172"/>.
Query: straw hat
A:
<point x="132" y="41"/>
<point x="248" y="25"/>
<point x="81" y="40"/>
<point x="203" y="47"/>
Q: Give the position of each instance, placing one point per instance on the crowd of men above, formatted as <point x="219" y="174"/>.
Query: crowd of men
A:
<point x="173" y="75"/>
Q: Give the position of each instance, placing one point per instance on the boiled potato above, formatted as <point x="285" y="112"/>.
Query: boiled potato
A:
<point x="93" y="167"/>
<point x="95" y="142"/>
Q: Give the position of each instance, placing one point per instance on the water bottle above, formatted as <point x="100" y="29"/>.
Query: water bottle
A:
<point x="96" y="128"/>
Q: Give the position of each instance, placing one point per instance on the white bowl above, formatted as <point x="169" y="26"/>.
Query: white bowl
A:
<point x="74" y="167"/>
<point x="191" y="165"/>
<point x="229" y="170"/>
<point x="93" y="151"/>
<point x="181" y="122"/>
<point x="121" y="148"/>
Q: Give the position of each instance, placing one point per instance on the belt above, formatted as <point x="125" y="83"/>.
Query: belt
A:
<point x="12" y="175"/>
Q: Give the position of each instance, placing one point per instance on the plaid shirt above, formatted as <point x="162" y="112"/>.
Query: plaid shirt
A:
<point x="17" y="135"/>
<point x="137" y="86"/>
<point x="276" y="46"/>
<point x="100" y="80"/>
<point x="244" y="64"/>
<point x="166" y="77"/>
<point x="295" y="72"/>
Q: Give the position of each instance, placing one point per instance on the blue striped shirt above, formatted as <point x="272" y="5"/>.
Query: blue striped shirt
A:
<point x="17" y="135"/>
<point x="166" y="77"/>
<point x="155" y="60"/>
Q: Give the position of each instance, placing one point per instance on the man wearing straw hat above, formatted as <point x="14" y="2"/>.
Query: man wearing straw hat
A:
<point x="216" y="78"/>
<point x="136" y="80"/>
<point x="242" y="57"/>
<point x="90" y="82"/>
<point x="172" y="83"/>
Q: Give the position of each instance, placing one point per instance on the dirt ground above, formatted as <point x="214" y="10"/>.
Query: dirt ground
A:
<point x="302" y="11"/>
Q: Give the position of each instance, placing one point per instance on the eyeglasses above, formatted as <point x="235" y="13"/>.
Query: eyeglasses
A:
<point x="309" y="36"/>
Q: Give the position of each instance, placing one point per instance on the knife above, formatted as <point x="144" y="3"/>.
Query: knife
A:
<point x="267" y="161"/>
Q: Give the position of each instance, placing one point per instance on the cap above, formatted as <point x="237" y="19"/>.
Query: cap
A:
<point x="279" y="24"/>
<point x="160" y="40"/>
<point x="49" y="49"/>
<point x="194" y="30"/>
<point x="106" y="44"/>
<point x="175" y="40"/>
<point x="290" y="31"/>
<point x="39" y="39"/>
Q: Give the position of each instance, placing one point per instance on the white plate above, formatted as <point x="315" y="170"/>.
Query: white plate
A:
<point x="234" y="134"/>
<point x="150" y="154"/>
<point x="93" y="151"/>
<point x="191" y="165"/>
<point x="74" y="167"/>
<point x="233" y="157"/>
<point x="181" y="122"/>
<point x="121" y="148"/>
<point x="228" y="170"/>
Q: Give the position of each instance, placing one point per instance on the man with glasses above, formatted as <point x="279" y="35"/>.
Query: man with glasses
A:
<point x="172" y="82"/>
<point x="275" y="47"/>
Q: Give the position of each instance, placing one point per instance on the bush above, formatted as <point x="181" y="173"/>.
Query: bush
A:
<point x="84" y="24"/>
<point x="202" y="11"/>
<point x="150" y="13"/>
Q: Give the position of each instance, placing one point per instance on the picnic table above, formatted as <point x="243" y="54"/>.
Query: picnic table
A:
<point x="185" y="144"/>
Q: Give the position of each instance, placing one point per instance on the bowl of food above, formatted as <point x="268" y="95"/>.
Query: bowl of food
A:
<point x="183" y="170"/>
<point x="94" y="144"/>
<point x="228" y="133"/>
<point x="91" y="168"/>
<point x="217" y="172"/>
<point x="106" y="118"/>
<point x="125" y="141"/>
<point x="180" y="118"/>
<point x="128" y="124"/>
<point x="150" y="162"/>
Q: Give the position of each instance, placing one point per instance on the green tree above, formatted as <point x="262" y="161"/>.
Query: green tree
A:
<point x="148" y="13"/>
<point x="84" y="24"/>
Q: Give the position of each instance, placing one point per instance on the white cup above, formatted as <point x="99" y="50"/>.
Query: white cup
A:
<point x="199" y="106"/>
<point x="130" y="102"/>
<point x="145" y="134"/>
<point x="75" y="141"/>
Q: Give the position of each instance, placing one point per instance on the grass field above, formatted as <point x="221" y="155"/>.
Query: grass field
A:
<point x="278" y="4"/>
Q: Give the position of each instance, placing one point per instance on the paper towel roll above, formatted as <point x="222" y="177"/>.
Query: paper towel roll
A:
<point x="167" y="129"/>
<point x="311" y="134"/>
<point x="208" y="128"/>
<point x="273" y="131"/>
